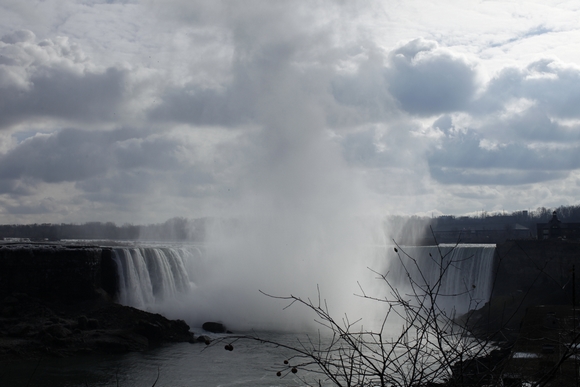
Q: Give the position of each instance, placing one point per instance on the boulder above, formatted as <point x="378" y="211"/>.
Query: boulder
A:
<point x="215" y="327"/>
<point x="58" y="331"/>
<point x="82" y="322"/>
<point x="203" y="339"/>
<point x="151" y="330"/>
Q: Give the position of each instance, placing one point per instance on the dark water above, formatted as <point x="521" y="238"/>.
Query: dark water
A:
<point x="180" y="365"/>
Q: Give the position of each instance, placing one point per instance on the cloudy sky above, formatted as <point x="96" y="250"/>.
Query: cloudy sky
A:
<point x="139" y="111"/>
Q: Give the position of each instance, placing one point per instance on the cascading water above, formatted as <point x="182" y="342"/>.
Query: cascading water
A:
<point x="465" y="272"/>
<point x="151" y="278"/>
<point x="152" y="275"/>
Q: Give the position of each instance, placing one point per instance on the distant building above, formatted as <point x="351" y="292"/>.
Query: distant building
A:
<point x="478" y="232"/>
<point x="555" y="229"/>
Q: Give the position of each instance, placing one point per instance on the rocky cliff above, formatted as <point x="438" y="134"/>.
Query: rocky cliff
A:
<point x="58" y="300"/>
<point x="56" y="271"/>
<point x="528" y="273"/>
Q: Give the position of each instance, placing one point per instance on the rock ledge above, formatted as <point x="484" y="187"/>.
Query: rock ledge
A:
<point x="31" y="327"/>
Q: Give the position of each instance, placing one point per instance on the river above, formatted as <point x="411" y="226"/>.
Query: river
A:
<point x="249" y="364"/>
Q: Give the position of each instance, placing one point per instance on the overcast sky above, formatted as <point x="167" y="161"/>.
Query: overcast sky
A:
<point x="139" y="111"/>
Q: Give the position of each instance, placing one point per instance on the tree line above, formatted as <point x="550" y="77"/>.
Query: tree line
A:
<point x="412" y="228"/>
<point x="174" y="229"/>
<point x="182" y="229"/>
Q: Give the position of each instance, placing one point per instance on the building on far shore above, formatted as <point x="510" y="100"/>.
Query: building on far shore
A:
<point x="556" y="229"/>
<point x="478" y="232"/>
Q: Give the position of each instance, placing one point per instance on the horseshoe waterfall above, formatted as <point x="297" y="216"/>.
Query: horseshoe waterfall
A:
<point x="166" y="279"/>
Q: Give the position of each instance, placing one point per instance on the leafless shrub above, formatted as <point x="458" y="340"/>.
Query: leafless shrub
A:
<point x="432" y="347"/>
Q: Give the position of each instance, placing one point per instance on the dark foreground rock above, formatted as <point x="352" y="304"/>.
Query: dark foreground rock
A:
<point x="31" y="327"/>
<point x="527" y="273"/>
<point x="215" y="327"/>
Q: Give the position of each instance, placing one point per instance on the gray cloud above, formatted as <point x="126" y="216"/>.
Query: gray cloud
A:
<point x="417" y="77"/>
<point x="52" y="80"/>
<point x="469" y="176"/>
<point x="101" y="163"/>
<point x="366" y="91"/>
<point x="471" y="155"/>
<point x="552" y="86"/>
<point x="463" y="159"/>
<point x="17" y="188"/>
<point x="530" y="126"/>
<point x="69" y="155"/>
<point x="530" y="33"/>
<point x="204" y="106"/>
<point x="45" y="206"/>
<point x="18" y="37"/>
<point x="59" y="94"/>
<point x="155" y="153"/>
<point x="426" y="81"/>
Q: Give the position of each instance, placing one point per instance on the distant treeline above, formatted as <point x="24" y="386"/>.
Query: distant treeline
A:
<point x="493" y="227"/>
<point x="567" y="214"/>
<point x="400" y="228"/>
<point x="174" y="229"/>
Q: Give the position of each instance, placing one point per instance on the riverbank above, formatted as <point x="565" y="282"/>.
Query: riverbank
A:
<point x="31" y="327"/>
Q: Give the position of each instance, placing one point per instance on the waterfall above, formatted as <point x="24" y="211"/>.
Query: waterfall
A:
<point x="466" y="272"/>
<point x="188" y="283"/>
<point x="151" y="275"/>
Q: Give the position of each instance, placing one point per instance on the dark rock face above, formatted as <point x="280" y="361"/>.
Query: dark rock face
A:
<point x="527" y="273"/>
<point x="214" y="327"/>
<point x="108" y="278"/>
<point x="57" y="271"/>
<point x="536" y="264"/>
<point x="57" y="300"/>
<point x="33" y="327"/>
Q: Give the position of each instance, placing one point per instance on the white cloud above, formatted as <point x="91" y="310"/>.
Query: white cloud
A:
<point x="113" y="107"/>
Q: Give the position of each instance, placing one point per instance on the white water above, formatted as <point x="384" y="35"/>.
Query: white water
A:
<point x="177" y="282"/>
<point x="150" y="276"/>
<point x="462" y="275"/>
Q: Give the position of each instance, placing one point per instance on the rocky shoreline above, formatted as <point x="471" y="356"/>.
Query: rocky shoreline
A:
<point x="31" y="327"/>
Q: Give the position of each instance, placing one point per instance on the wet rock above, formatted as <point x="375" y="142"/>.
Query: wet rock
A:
<point x="179" y="330"/>
<point x="82" y="322"/>
<point x="10" y="300"/>
<point x="92" y="323"/>
<point x="203" y="339"/>
<point x="8" y="306"/>
<point x="46" y="328"/>
<point x="87" y="324"/>
<point x="214" y="327"/>
<point x="152" y="331"/>
<point x="58" y="331"/>
<point x="19" y="330"/>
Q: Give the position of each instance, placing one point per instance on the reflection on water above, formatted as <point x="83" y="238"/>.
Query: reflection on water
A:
<point x="181" y="365"/>
<point x="250" y="364"/>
